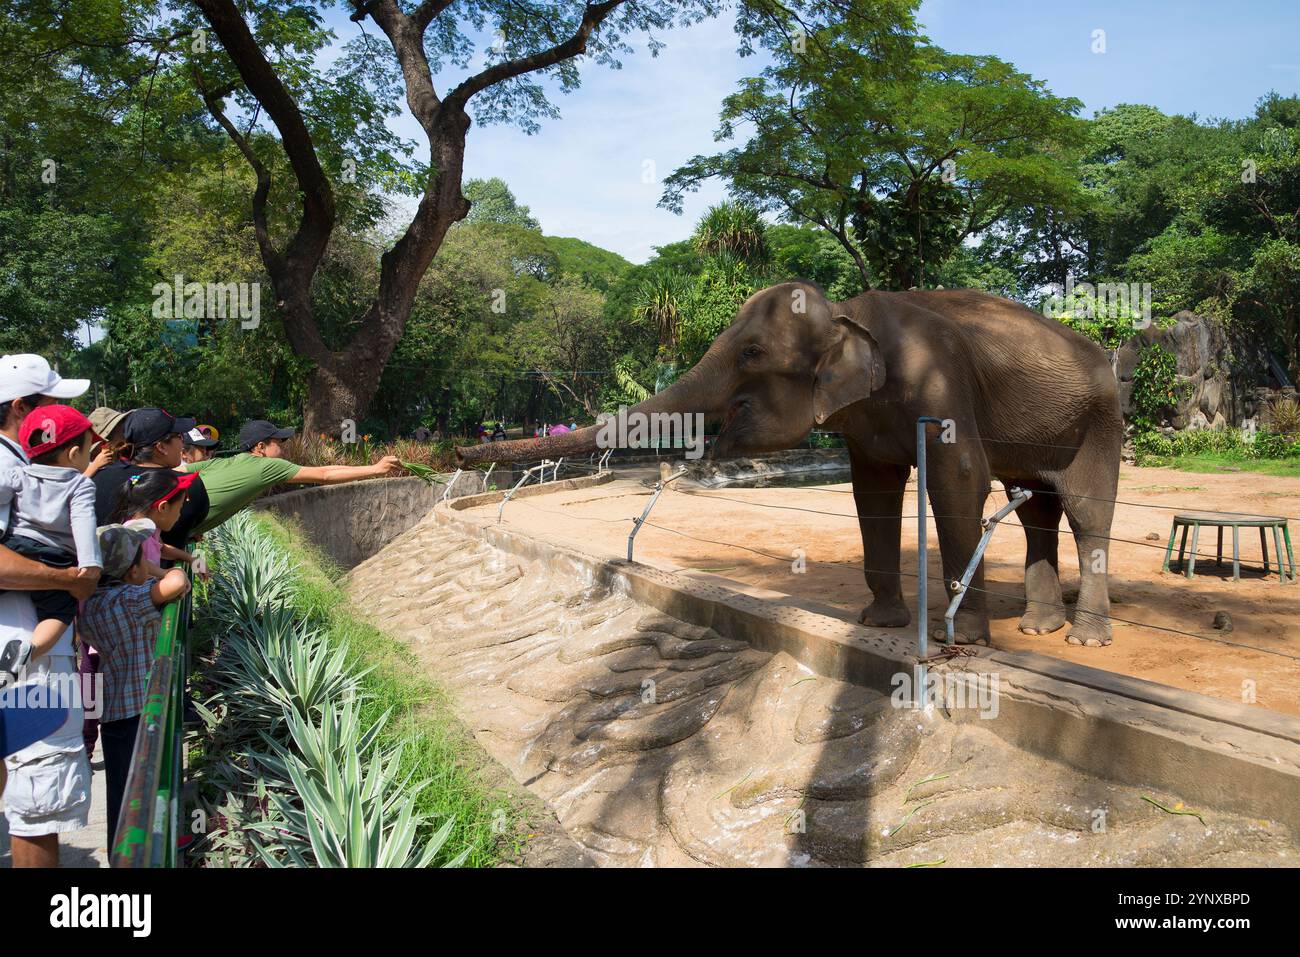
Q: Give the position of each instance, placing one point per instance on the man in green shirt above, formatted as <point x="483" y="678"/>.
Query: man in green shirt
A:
<point x="234" y="481"/>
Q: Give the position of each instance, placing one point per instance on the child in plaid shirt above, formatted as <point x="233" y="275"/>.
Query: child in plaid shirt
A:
<point x="121" y="620"/>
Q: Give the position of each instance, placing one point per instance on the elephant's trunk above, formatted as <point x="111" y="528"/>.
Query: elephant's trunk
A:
<point x="699" y="390"/>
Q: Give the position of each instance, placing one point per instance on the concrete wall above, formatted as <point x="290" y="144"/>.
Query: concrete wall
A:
<point x="349" y="523"/>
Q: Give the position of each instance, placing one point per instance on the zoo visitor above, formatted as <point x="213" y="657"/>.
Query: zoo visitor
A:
<point x="236" y="481"/>
<point x="49" y="778"/>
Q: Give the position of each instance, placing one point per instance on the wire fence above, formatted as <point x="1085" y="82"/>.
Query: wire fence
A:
<point x="712" y="495"/>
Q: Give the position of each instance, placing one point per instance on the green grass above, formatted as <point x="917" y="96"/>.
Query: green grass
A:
<point x="436" y="747"/>
<point x="1220" y="462"/>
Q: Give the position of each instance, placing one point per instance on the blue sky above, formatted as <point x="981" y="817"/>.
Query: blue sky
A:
<point x="582" y="175"/>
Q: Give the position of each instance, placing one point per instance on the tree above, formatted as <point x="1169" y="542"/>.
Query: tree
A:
<point x="74" y="168"/>
<point x="257" y="61"/>
<point x="492" y="202"/>
<point x="897" y="148"/>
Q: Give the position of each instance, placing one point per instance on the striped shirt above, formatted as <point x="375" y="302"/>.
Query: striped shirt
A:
<point x="122" y="623"/>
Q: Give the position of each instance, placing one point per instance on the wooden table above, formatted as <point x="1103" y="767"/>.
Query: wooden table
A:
<point x="1236" y="521"/>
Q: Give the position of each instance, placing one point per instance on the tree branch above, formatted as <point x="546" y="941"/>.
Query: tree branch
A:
<point x="594" y="15"/>
<point x="271" y="257"/>
<point x="318" y="210"/>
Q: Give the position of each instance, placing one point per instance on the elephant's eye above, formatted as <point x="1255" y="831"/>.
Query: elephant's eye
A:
<point x="751" y="352"/>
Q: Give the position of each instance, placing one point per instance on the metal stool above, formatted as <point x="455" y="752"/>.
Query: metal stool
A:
<point x="1222" y="520"/>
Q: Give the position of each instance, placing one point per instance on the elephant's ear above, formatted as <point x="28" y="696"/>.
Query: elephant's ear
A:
<point x="850" y="370"/>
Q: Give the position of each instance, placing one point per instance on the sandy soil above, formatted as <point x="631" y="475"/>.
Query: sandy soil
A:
<point x="1259" y="661"/>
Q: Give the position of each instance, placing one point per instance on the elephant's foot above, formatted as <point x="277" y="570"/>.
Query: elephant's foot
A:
<point x="1089" y="630"/>
<point x="886" y="614"/>
<point x="1042" y="619"/>
<point x="969" y="628"/>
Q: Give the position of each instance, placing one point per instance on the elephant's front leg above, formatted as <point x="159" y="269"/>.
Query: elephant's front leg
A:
<point x="878" y="493"/>
<point x="959" y="486"/>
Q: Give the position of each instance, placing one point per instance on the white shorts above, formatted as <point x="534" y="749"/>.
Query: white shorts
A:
<point x="49" y="794"/>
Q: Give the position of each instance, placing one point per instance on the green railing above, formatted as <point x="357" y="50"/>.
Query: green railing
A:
<point x="148" y="825"/>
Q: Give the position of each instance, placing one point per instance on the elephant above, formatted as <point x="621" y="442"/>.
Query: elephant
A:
<point x="1023" y="398"/>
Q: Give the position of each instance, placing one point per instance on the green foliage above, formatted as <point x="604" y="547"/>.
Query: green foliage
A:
<point x="899" y="149"/>
<point x="733" y="229"/>
<point x="1282" y="414"/>
<point x="493" y="202"/>
<point x="719" y="291"/>
<point x="1155" y="449"/>
<point x="313" y="753"/>
<point x="1154" y="385"/>
<point x="808" y="252"/>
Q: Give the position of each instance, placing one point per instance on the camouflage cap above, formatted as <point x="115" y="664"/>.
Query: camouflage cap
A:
<point x="120" y="544"/>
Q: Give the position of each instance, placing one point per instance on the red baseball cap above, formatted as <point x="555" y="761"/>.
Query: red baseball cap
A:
<point x="183" y="481"/>
<point x="49" y="426"/>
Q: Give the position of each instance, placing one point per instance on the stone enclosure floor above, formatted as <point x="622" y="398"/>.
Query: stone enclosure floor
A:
<point x="661" y="743"/>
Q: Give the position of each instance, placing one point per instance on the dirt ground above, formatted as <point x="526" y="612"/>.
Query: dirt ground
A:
<point x="1258" y="661"/>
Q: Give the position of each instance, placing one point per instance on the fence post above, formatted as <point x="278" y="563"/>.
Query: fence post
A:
<point x="522" y="479"/>
<point x="450" y="485"/>
<point x="922" y="597"/>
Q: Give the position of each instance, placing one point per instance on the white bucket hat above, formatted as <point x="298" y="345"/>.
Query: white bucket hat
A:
<point x="24" y="375"/>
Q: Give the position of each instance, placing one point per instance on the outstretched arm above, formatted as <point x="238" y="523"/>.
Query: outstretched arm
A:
<point x="335" y="474"/>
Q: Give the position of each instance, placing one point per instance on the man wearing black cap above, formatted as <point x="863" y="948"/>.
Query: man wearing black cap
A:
<point x="235" y="481"/>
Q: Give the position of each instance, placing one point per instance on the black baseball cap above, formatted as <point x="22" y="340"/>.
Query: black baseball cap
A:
<point x="147" y="426"/>
<point x="197" y="437"/>
<point x="260" y="430"/>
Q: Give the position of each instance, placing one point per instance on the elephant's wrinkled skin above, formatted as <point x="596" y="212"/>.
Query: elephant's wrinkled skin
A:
<point x="1030" y="401"/>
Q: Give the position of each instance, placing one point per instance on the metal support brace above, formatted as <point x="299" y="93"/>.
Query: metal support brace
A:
<point x="446" y="493"/>
<point x="487" y="475"/>
<point x="1018" y="497"/>
<point x="603" y="464"/>
<point x="637" y="522"/>
<point x="522" y="479"/>
<point x="555" y="473"/>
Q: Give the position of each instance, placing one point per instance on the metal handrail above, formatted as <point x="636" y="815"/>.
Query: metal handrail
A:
<point x="147" y="829"/>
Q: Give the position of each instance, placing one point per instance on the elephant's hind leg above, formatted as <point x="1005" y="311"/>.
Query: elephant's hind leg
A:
<point x="1088" y="497"/>
<point x="1041" y="518"/>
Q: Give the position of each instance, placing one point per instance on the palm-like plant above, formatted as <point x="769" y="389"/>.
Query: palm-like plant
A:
<point x="659" y="302"/>
<point x="733" y="228"/>
<point x="303" y="780"/>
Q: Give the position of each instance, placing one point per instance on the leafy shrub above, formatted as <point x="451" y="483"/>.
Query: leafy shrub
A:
<point x="300" y="776"/>
<point x="1154" y="385"/>
<point x="1282" y="413"/>
<point x="1151" y="447"/>
<point x="1268" y="445"/>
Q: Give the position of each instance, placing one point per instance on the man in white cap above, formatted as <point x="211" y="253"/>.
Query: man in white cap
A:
<point x="49" y="781"/>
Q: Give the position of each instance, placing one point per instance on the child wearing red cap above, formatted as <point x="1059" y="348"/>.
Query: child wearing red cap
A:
<point x="157" y="495"/>
<point x="53" y="507"/>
